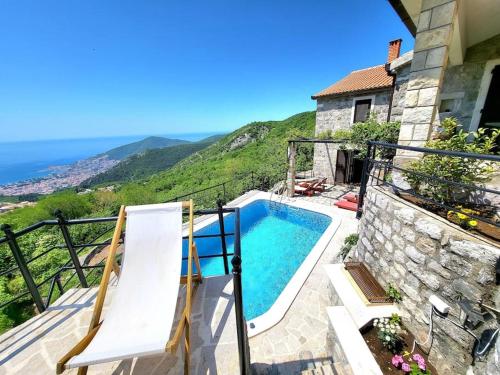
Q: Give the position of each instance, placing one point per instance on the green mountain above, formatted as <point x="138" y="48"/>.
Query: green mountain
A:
<point x="149" y="143"/>
<point x="259" y="147"/>
<point x="152" y="161"/>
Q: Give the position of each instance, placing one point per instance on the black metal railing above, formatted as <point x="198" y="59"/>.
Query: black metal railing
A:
<point x="406" y="181"/>
<point x="22" y="265"/>
<point x="78" y="269"/>
<point x="232" y="188"/>
<point x="223" y="191"/>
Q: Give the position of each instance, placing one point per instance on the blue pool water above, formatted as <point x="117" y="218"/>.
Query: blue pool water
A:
<point x="275" y="239"/>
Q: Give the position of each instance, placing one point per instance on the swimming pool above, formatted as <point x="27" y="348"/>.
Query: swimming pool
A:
<point x="276" y="238"/>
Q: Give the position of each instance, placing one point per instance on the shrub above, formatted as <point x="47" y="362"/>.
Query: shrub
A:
<point x="395" y="318"/>
<point x="455" y="169"/>
<point x="362" y="132"/>
<point x="349" y="242"/>
<point x="372" y="130"/>
<point x="388" y="334"/>
<point x="393" y="293"/>
<point x="342" y="135"/>
<point x="325" y="134"/>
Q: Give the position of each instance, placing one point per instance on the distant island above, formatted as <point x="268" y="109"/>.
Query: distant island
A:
<point x="66" y="176"/>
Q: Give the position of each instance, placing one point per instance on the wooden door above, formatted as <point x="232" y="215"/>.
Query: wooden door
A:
<point x="490" y="114"/>
<point x="341" y="167"/>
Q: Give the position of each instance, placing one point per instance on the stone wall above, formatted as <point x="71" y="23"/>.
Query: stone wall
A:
<point x="430" y="57"/>
<point x="398" y="98"/>
<point x="423" y="254"/>
<point x="461" y="83"/>
<point x="325" y="160"/>
<point x="335" y="113"/>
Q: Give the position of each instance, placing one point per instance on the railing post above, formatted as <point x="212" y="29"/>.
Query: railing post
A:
<point x="59" y="284"/>
<point x="253" y="181"/>
<point x="223" y="236"/>
<point x="241" y="326"/>
<point x="69" y="244"/>
<point x="224" y="191"/>
<point x="364" y="180"/>
<point x="23" y="267"/>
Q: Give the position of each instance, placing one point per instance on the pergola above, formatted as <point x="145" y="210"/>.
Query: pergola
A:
<point x="292" y="153"/>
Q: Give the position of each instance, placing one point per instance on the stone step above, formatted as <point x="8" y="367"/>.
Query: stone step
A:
<point x="356" y="352"/>
<point x="323" y="370"/>
<point x="340" y="368"/>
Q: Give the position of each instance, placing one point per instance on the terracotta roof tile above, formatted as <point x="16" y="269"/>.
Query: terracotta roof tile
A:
<point x="359" y="80"/>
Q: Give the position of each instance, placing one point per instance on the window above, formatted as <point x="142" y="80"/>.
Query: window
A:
<point x="361" y="110"/>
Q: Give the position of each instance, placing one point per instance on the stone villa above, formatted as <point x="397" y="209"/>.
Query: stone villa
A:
<point x="361" y="92"/>
<point x="316" y="324"/>
<point x="453" y="70"/>
<point x="378" y="90"/>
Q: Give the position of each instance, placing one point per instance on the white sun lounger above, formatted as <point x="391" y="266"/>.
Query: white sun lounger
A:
<point x="140" y="317"/>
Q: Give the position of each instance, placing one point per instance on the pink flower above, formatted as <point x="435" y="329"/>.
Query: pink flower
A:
<point x="405" y="367"/>
<point x="417" y="357"/>
<point x="397" y="360"/>
<point x="421" y="366"/>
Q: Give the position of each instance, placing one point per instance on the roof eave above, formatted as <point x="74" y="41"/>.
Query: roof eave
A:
<point x="347" y="93"/>
<point x="400" y="9"/>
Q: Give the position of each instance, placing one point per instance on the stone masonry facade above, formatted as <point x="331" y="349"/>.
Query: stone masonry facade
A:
<point x="398" y="97"/>
<point x="422" y="254"/>
<point x="434" y="31"/>
<point x="461" y="83"/>
<point x="335" y="112"/>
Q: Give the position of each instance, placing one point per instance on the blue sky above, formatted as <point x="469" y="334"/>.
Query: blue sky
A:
<point x="73" y="69"/>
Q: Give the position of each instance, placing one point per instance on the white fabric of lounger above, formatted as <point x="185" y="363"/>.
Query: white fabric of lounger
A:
<point x="140" y="317"/>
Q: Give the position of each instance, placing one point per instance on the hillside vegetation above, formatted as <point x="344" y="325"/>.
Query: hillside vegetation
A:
<point x="145" y="164"/>
<point x="148" y="143"/>
<point x="259" y="147"/>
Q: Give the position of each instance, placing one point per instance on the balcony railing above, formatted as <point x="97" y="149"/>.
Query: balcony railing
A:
<point x="42" y="292"/>
<point x="446" y="196"/>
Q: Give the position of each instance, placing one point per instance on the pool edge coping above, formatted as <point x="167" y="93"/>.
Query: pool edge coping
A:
<point x="287" y="296"/>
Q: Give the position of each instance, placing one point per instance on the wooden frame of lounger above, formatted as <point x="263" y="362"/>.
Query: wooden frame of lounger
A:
<point x="184" y="325"/>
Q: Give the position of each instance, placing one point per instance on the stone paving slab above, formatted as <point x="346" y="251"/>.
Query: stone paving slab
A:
<point x="295" y="344"/>
<point x="299" y="341"/>
<point x="35" y="346"/>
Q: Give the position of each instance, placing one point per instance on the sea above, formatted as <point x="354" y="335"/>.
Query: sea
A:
<point x="20" y="161"/>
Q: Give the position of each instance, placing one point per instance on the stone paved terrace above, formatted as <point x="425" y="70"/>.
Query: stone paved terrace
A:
<point x="35" y="346"/>
<point x="297" y="343"/>
<point x="331" y="195"/>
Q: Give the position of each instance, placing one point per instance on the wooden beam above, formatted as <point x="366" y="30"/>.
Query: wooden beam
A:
<point x="184" y="279"/>
<point x="291" y="168"/>
<point x="197" y="262"/>
<point x="172" y="344"/>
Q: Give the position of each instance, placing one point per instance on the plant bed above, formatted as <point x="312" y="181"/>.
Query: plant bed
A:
<point x="488" y="230"/>
<point x="384" y="357"/>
